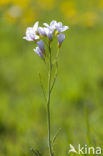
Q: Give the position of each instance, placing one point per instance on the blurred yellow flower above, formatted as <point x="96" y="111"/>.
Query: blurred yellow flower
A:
<point x="90" y="19"/>
<point x="29" y="16"/>
<point x="68" y="9"/>
<point x="5" y="2"/>
<point x="46" y="4"/>
<point x="101" y="4"/>
<point x="21" y="3"/>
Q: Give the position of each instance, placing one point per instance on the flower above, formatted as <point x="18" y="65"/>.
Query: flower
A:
<point x="41" y="31"/>
<point x="61" y="38"/>
<point x="60" y="28"/>
<point x="52" y="25"/>
<point x="38" y="52"/>
<point x="35" y="27"/>
<point x="41" y="45"/>
<point x="45" y="32"/>
<point x="49" y="29"/>
<point x="35" y="33"/>
<point x="30" y="35"/>
<point x="48" y="33"/>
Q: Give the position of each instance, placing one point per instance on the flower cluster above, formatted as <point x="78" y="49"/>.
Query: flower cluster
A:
<point x="36" y="32"/>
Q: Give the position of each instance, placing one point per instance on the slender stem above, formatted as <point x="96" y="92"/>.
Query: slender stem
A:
<point x="55" y="136"/>
<point x="50" y="87"/>
<point x="48" y="104"/>
<point x="42" y="87"/>
<point x="55" y="75"/>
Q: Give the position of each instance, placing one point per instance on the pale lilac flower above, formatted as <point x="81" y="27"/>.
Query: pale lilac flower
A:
<point x="48" y="33"/>
<point x="41" y="31"/>
<point x="41" y="45"/>
<point x="38" y="52"/>
<point x="61" y="38"/>
<point x="35" y="33"/>
<point x="35" y="27"/>
<point x="45" y="32"/>
<point x="60" y="28"/>
<point x="30" y="35"/>
<point x="52" y="25"/>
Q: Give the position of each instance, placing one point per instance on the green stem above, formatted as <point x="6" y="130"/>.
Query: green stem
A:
<point x="48" y="104"/>
<point x="55" y="75"/>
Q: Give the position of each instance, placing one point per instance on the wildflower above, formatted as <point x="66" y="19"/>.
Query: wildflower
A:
<point x="60" y="28"/>
<point x="45" y="32"/>
<point x="41" y="31"/>
<point x="41" y="45"/>
<point x="52" y="25"/>
<point x="35" y="27"/>
<point x="61" y="38"/>
<point x="48" y="33"/>
<point x="38" y="52"/>
<point x="30" y="35"/>
<point x="35" y="33"/>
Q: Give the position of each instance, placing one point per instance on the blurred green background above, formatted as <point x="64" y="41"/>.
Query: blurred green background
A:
<point x="77" y="99"/>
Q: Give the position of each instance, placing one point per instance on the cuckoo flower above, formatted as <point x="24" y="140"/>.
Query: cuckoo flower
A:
<point x="61" y="38"/>
<point x="30" y="35"/>
<point x="38" y="52"/>
<point x="41" y="31"/>
<point x="38" y="34"/>
<point x="35" y="27"/>
<point x="41" y="45"/>
<point x="52" y="25"/>
<point x="48" y="33"/>
<point x="60" y="28"/>
<point x="45" y="32"/>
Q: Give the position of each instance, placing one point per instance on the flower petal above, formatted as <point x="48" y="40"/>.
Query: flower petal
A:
<point x="35" y="27"/>
<point x="41" y="45"/>
<point x="31" y="35"/>
<point x="45" y="24"/>
<point x="60" y="28"/>
<point x="61" y="38"/>
<point x="41" y="31"/>
<point x="27" y="38"/>
<point x="48" y="33"/>
<point x="38" y="52"/>
<point x="64" y="28"/>
<point x="59" y="24"/>
<point x="52" y="25"/>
